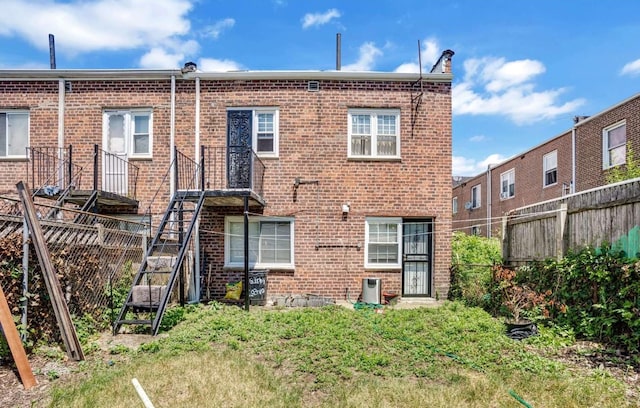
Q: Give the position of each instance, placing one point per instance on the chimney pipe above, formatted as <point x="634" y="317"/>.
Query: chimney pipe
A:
<point x="52" y="52"/>
<point x="338" y="51"/>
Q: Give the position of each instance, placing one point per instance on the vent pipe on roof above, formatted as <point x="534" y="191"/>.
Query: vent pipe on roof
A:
<point x="52" y="52"/>
<point x="338" y="51"/>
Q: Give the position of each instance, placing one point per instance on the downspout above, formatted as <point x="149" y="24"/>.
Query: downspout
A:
<point x="197" y="141"/>
<point x="61" y="158"/>
<point x="488" y="201"/>
<point x="573" y="160"/>
<point x="172" y="136"/>
<point x="196" y="238"/>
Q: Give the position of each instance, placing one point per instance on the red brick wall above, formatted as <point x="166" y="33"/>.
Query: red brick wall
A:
<point x="589" y="172"/>
<point x="529" y="188"/>
<point x="313" y="146"/>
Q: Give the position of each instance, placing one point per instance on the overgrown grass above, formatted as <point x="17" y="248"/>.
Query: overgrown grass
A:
<point x="444" y="357"/>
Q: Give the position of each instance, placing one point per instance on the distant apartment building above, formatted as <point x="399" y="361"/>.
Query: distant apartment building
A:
<point x="573" y="161"/>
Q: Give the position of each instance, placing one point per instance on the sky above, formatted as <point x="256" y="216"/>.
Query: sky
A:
<point x="522" y="69"/>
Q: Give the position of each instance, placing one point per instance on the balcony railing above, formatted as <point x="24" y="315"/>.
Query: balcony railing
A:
<point x="51" y="170"/>
<point x="187" y="172"/>
<point x="119" y="176"/>
<point x="235" y="167"/>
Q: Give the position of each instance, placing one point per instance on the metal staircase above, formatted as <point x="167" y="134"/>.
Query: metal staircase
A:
<point x="162" y="267"/>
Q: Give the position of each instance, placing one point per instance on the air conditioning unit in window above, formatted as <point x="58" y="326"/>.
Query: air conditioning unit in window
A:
<point x="468" y="205"/>
<point x="504" y="195"/>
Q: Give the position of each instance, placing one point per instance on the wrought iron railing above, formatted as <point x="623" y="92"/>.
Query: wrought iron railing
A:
<point x="51" y="170"/>
<point x="119" y="175"/>
<point x="236" y="167"/>
<point x="188" y="175"/>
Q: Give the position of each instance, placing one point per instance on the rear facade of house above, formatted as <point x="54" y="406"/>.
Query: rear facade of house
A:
<point x="345" y="176"/>
<point x="576" y="160"/>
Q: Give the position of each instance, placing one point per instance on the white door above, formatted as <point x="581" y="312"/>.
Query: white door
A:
<point x="115" y="177"/>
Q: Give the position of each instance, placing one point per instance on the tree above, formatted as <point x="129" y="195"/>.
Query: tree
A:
<point x="630" y="170"/>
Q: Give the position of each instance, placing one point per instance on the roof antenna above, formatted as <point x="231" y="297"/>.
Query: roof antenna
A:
<point x="52" y="52"/>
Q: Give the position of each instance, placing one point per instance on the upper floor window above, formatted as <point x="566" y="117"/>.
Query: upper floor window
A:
<point x="383" y="237"/>
<point x="270" y="242"/>
<point x="454" y="205"/>
<point x="374" y="133"/>
<point x="508" y="184"/>
<point x="550" y="168"/>
<point x="614" y="145"/>
<point x="14" y="134"/>
<point x="264" y="130"/>
<point x="129" y="132"/>
<point x="475" y="197"/>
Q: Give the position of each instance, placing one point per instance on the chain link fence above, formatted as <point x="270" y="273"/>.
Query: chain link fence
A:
<point x="95" y="257"/>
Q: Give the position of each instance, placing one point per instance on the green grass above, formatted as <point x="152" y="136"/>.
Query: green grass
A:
<point x="450" y="356"/>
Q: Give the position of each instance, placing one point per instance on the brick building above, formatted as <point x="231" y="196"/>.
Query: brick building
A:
<point x="348" y="172"/>
<point x="574" y="161"/>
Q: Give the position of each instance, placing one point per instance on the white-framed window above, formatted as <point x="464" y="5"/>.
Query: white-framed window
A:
<point x="374" y="133"/>
<point x="270" y="242"/>
<point x="475" y="197"/>
<point x="508" y="184"/>
<point x="550" y="168"/>
<point x="14" y="133"/>
<point x="129" y="132"/>
<point x="475" y="230"/>
<point x="383" y="237"/>
<point x="265" y="128"/>
<point x="614" y="145"/>
<point x="454" y="205"/>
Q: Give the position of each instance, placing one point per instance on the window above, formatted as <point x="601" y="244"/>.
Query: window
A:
<point x="14" y="134"/>
<point x="128" y="133"/>
<point x="264" y="130"/>
<point x="614" y="145"/>
<point x="454" y="204"/>
<point x="475" y="196"/>
<point x="475" y="230"/>
<point x="374" y="133"/>
<point x="550" y="168"/>
<point x="270" y="242"/>
<point x="382" y="242"/>
<point x="508" y="184"/>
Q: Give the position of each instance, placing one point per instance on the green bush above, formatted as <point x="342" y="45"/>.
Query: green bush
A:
<point x="472" y="258"/>
<point x="595" y="292"/>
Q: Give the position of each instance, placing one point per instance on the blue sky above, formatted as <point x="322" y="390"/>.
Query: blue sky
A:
<point x="522" y="69"/>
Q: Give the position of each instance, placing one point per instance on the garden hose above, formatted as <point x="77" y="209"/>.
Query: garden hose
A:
<point x="519" y="399"/>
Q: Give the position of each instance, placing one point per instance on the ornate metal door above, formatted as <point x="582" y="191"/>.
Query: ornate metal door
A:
<point x="239" y="156"/>
<point x="417" y="243"/>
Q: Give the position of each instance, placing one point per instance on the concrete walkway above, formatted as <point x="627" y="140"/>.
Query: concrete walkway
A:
<point x="402" y="303"/>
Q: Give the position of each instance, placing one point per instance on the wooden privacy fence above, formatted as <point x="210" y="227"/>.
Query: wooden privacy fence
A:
<point x="609" y="214"/>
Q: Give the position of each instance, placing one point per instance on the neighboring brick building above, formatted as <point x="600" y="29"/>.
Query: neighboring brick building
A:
<point x="356" y="178"/>
<point x="547" y="171"/>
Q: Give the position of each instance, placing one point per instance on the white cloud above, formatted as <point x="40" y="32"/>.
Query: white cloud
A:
<point x="478" y="138"/>
<point x="318" y="19"/>
<point x="366" y="58"/>
<point x="429" y="54"/>
<point x="463" y="166"/>
<point x="632" y="68"/>
<point x="81" y="26"/>
<point x="173" y="54"/>
<point x="216" y="65"/>
<point x="216" y="29"/>
<point x="493" y="86"/>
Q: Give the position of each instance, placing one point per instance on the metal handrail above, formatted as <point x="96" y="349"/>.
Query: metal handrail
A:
<point x="236" y="167"/>
<point x="51" y="169"/>
<point x="119" y="175"/>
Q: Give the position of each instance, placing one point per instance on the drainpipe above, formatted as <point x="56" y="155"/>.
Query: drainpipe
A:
<point x="61" y="95"/>
<point x="573" y="160"/>
<point x="172" y="135"/>
<point x="196" y="271"/>
<point x="488" y="201"/>
<point x="197" y="146"/>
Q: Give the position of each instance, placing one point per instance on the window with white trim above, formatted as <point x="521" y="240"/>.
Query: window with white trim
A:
<point x="14" y="134"/>
<point x="475" y="197"/>
<point x="270" y="242"/>
<point x="508" y="184"/>
<point x="550" y="168"/>
<point x="374" y="133"/>
<point x="383" y="237"/>
<point x="614" y="145"/>
<point x="264" y="130"/>
<point x="129" y="132"/>
<point x="454" y="205"/>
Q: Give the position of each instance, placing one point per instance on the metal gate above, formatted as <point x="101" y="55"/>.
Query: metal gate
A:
<point x="417" y="244"/>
